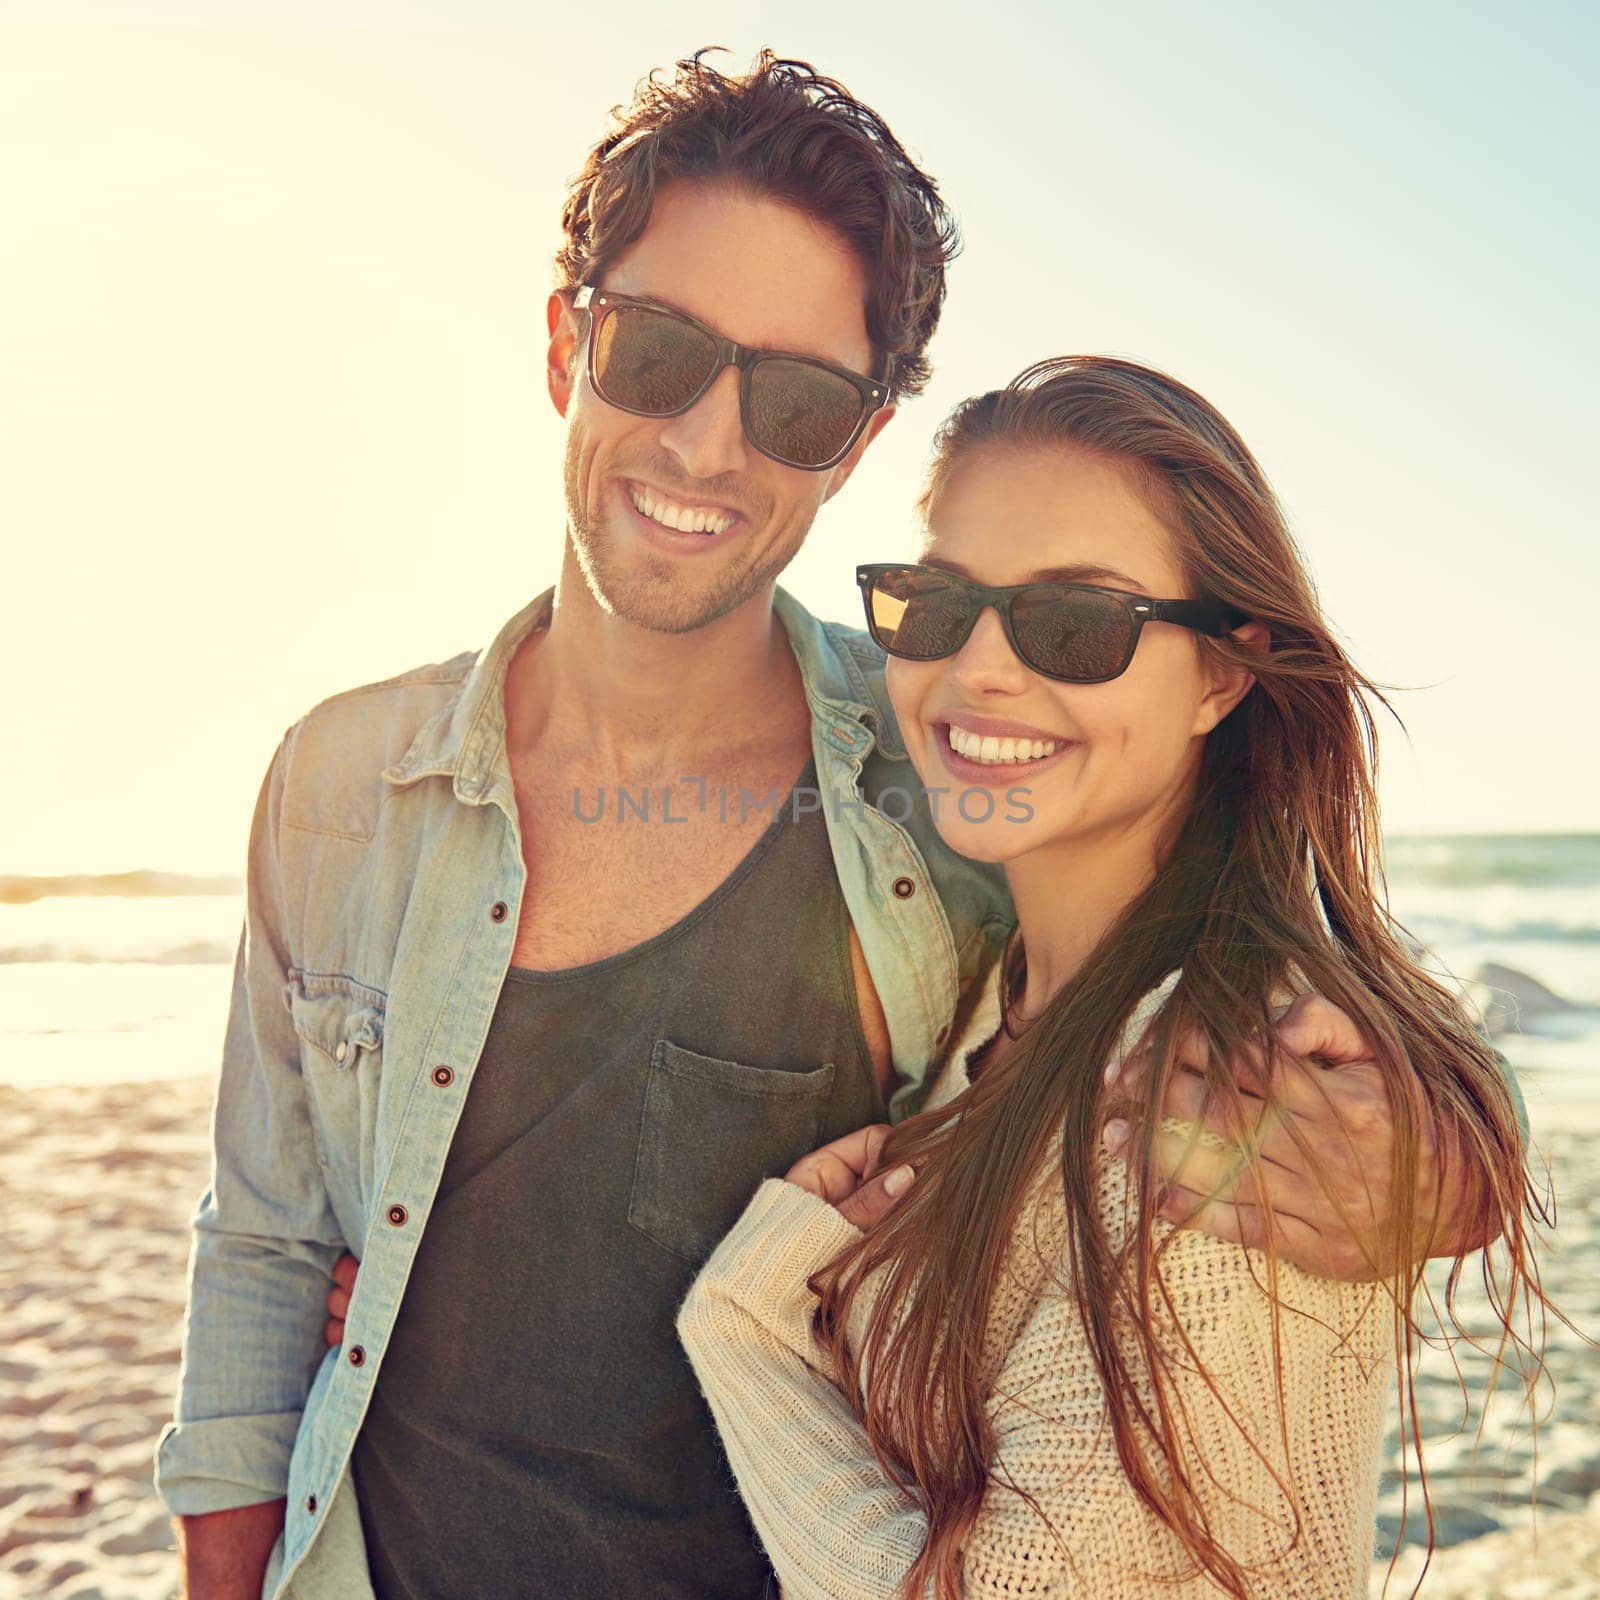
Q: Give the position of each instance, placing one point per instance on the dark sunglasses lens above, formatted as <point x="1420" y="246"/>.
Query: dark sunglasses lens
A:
<point x="1074" y="635"/>
<point x="922" y="615"/>
<point x="650" y="361"/>
<point x="802" y="414"/>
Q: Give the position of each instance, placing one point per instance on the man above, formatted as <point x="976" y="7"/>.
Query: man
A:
<point x="653" y="1006"/>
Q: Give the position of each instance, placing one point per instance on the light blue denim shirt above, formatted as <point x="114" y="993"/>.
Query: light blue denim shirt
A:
<point x="384" y="886"/>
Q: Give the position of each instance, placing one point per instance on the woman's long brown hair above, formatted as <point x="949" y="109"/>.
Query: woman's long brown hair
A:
<point x="1273" y="880"/>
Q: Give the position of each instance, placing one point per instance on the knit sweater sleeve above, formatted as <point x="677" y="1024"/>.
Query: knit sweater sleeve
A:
<point x="1287" y="1484"/>
<point x="832" y="1522"/>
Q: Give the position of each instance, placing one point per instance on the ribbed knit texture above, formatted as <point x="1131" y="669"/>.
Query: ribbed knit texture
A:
<point x="836" y="1527"/>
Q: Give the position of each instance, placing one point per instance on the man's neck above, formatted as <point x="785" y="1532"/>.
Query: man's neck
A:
<point x="633" y="702"/>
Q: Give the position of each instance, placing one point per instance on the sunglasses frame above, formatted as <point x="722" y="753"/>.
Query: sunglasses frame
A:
<point x="875" y="393"/>
<point x="1212" y="617"/>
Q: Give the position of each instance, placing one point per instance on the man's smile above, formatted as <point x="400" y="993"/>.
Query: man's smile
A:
<point x="671" y="511"/>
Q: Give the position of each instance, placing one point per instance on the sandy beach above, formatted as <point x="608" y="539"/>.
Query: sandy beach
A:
<point x="95" y="1192"/>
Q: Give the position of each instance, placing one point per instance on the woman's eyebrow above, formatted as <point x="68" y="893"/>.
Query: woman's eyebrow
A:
<point x="1080" y="572"/>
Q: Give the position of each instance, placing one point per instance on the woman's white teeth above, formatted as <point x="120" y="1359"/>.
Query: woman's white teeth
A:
<point x="985" y="747"/>
<point x="671" y="515"/>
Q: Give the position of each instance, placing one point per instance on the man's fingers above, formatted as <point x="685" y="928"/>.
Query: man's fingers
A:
<point x="1264" y="1133"/>
<point x="1240" y="1222"/>
<point x="1196" y="1159"/>
<point x="344" y="1282"/>
<point x="1185" y="1099"/>
<point x="1296" y="1238"/>
<point x="873" y="1200"/>
<point x="1186" y="1208"/>
<point x="1192" y="1054"/>
<point x="1313" y="1026"/>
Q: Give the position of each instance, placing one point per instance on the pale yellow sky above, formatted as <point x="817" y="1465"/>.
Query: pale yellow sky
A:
<point x="271" y="305"/>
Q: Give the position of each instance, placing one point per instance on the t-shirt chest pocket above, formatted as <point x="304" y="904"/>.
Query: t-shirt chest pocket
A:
<point x="711" y="1130"/>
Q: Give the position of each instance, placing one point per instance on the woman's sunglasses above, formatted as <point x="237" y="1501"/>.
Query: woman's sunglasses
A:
<point x="655" y="362"/>
<point x="1073" y="632"/>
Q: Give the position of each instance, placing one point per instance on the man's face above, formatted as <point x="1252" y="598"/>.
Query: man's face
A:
<point x="763" y="274"/>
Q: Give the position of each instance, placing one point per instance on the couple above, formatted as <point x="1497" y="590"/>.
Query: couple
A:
<point x="977" y="1097"/>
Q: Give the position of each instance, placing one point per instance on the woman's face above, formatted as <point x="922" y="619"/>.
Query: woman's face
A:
<point x="1125" y="753"/>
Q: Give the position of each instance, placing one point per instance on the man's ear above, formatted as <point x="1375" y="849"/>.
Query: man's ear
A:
<point x="561" y="361"/>
<point x="1230" y="683"/>
<point x="840" y="475"/>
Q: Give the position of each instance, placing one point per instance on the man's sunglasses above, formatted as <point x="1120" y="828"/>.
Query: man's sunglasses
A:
<point x="656" y="362"/>
<point x="1073" y="632"/>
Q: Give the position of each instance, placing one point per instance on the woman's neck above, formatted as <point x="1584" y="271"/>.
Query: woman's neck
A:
<point x="1069" y="894"/>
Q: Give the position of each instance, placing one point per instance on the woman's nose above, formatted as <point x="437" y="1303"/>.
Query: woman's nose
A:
<point x="987" y="660"/>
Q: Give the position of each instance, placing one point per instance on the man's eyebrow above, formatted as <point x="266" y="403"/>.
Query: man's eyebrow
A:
<point x="1080" y="572"/>
<point x="667" y="303"/>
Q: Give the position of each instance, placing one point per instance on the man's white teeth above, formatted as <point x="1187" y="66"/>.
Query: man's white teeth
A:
<point x="671" y="515"/>
<point x="985" y="747"/>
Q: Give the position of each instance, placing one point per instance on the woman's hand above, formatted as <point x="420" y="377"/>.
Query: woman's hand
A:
<point x="344" y="1282"/>
<point x="845" y="1174"/>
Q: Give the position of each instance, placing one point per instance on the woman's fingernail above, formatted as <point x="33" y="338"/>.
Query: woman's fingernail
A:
<point x="1112" y="1070"/>
<point x="1115" y="1135"/>
<point x="899" y="1181"/>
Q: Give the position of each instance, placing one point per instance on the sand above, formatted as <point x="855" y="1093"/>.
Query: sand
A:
<point x="96" y="1189"/>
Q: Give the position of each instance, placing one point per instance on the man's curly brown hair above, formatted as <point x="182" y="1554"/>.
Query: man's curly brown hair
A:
<point x="784" y="131"/>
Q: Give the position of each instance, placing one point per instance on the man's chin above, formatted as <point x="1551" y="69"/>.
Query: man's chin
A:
<point x="663" y="600"/>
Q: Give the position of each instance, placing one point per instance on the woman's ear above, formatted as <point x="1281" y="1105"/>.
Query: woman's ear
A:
<point x="1230" y="682"/>
<point x="562" y="357"/>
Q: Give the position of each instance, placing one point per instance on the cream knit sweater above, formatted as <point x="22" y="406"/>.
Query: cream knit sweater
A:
<point x="836" y="1527"/>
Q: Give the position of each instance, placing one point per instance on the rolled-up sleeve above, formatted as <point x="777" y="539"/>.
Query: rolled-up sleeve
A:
<point x="264" y="1234"/>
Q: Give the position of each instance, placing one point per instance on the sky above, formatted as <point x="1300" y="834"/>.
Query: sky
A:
<point x="272" y="288"/>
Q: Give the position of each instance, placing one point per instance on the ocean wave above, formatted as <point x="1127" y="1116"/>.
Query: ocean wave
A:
<point x="1557" y="912"/>
<point x="18" y="889"/>
<point x="190" y="953"/>
<point x="1484" y="861"/>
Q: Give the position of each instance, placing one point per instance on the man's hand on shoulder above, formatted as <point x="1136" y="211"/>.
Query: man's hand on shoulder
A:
<point x="1318" y="1164"/>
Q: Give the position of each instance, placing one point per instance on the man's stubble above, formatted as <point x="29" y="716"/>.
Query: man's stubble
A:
<point x="655" y="592"/>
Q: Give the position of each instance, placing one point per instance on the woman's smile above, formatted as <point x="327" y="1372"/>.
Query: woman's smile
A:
<point x="974" y="752"/>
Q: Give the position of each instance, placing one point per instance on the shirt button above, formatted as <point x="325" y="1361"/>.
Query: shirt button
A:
<point x="357" y="1355"/>
<point x="498" y="911"/>
<point x="342" y="1051"/>
<point x="311" y="1502"/>
<point x="904" y="888"/>
<point x="397" y="1215"/>
<point x="444" y="1077"/>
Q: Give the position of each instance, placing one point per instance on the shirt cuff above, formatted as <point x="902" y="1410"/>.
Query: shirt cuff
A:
<point x="222" y="1463"/>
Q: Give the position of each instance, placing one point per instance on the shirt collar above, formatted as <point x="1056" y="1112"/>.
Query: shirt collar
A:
<point x="843" y="673"/>
<point x="465" y="740"/>
<point x="841" y="669"/>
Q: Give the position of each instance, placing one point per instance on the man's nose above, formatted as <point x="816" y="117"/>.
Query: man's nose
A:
<point x="708" y="438"/>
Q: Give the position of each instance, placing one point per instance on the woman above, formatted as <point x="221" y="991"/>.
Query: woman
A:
<point x="1021" y="1379"/>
